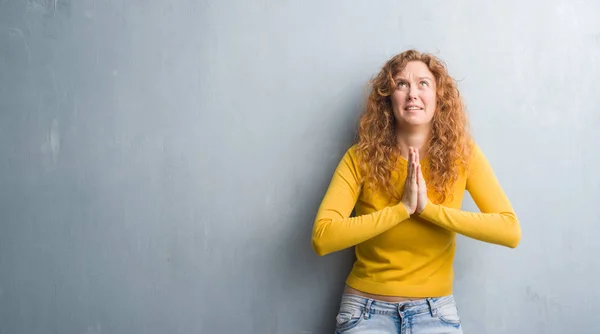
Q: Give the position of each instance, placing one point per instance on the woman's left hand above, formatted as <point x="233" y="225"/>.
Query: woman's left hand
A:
<point x="422" y="198"/>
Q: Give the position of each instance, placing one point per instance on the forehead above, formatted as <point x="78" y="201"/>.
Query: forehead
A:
<point x="415" y="69"/>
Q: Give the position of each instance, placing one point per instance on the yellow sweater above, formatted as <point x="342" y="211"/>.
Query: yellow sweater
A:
<point x="402" y="255"/>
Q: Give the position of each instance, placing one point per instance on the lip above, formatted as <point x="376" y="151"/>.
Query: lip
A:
<point x="413" y="106"/>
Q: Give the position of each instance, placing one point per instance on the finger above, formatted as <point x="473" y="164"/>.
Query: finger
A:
<point x="411" y="172"/>
<point x="414" y="174"/>
<point x="410" y="159"/>
<point x="416" y="156"/>
<point x="417" y="172"/>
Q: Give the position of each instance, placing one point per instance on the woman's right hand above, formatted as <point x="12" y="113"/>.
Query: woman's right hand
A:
<point x="410" y="192"/>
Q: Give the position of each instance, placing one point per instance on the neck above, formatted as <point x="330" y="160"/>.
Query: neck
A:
<point x="416" y="137"/>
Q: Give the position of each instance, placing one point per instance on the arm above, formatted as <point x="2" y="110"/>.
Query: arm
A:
<point x="497" y="223"/>
<point x="333" y="229"/>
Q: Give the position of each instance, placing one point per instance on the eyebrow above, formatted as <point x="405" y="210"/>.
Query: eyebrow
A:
<point x="420" y="78"/>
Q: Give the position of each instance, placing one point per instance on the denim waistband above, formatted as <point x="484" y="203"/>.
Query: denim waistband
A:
<point x="410" y="307"/>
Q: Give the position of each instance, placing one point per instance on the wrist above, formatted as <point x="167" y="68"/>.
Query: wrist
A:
<point x="421" y="208"/>
<point x="407" y="208"/>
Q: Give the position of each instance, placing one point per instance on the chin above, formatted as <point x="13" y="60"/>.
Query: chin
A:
<point x="413" y="121"/>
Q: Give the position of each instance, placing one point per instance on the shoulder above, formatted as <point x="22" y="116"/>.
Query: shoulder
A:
<point x="351" y="155"/>
<point x="351" y="152"/>
<point x="351" y="159"/>
<point x="474" y="150"/>
<point x="477" y="159"/>
<point x="468" y="156"/>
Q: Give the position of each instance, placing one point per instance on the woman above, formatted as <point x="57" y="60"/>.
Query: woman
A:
<point x="405" y="179"/>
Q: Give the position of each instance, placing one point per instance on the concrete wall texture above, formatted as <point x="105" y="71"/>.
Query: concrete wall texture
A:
<point x="162" y="161"/>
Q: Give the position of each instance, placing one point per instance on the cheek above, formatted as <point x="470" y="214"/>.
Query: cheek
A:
<point x="398" y="96"/>
<point x="397" y="99"/>
<point x="430" y="99"/>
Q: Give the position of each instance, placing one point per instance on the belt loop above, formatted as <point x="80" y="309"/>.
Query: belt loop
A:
<point x="432" y="307"/>
<point x="367" y="311"/>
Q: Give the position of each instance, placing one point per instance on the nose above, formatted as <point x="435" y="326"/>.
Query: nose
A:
<point x="412" y="93"/>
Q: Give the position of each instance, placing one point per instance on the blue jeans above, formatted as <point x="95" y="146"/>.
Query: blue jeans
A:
<point x="422" y="316"/>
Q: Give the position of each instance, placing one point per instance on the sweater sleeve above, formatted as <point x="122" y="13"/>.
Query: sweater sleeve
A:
<point x="497" y="223"/>
<point x="333" y="228"/>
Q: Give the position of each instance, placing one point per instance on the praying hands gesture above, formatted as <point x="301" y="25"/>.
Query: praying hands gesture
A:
<point x="414" y="195"/>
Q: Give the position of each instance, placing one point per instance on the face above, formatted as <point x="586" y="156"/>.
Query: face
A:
<point x="414" y="100"/>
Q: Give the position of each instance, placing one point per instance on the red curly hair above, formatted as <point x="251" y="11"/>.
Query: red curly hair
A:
<point x="449" y="144"/>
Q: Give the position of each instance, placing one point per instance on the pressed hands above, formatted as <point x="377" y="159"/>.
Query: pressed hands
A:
<point x="414" y="195"/>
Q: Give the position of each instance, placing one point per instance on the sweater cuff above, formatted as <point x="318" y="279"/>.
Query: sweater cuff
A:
<point x="430" y="211"/>
<point x="401" y="211"/>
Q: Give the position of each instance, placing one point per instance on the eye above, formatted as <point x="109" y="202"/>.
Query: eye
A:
<point x="424" y="83"/>
<point x="402" y="84"/>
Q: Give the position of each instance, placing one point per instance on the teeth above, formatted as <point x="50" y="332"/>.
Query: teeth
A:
<point x="413" y="108"/>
